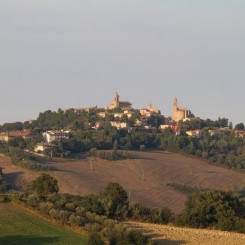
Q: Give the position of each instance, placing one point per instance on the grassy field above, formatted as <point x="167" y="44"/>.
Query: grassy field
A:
<point x="18" y="227"/>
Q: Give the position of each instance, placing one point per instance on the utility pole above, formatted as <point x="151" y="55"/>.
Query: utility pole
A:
<point x="91" y="163"/>
<point x="51" y="153"/>
<point x="143" y="175"/>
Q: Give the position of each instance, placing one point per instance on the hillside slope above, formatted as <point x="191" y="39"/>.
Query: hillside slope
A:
<point x="144" y="176"/>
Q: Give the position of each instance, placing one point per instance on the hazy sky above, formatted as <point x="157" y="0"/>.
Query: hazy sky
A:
<point x="74" y="53"/>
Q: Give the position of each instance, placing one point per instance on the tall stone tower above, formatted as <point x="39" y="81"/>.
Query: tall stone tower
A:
<point x="178" y="112"/>
<point x="116" y="100"/>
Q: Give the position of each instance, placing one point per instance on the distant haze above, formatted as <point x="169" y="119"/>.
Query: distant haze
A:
<point x="74" y="53"/>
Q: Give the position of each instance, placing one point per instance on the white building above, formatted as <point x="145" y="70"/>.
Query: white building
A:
<point x="50" y="136"/>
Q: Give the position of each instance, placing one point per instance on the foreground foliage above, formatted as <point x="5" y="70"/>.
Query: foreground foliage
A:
<point x="216" y="209"/>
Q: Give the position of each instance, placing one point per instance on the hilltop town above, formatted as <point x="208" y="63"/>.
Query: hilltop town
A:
<point x="121" y="115"/>
<point x="146" y="162"/>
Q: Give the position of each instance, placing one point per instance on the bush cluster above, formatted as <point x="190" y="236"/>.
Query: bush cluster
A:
<point x="185" y="189"/>
<point x="109" y="155"/>
<point x="215" y="209"/>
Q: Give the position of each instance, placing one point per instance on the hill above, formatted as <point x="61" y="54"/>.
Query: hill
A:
<point x="145" y="176"/>
<point x="18" y="226"/>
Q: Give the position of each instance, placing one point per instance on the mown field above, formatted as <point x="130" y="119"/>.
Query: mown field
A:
<point x="144" y="177"/>
<point x="170" y="235"/>
<point x="19" y="227"/>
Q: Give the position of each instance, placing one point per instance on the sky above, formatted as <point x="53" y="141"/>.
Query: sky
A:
<point x="78" y="53"/>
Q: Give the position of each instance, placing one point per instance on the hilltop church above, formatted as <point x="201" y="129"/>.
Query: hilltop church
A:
<point x="117" y="104"/>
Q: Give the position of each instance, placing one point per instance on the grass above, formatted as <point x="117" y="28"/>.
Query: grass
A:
<point x="18" y="227"/>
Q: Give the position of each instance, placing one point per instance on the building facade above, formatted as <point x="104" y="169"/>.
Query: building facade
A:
<point x="50" y="136"/>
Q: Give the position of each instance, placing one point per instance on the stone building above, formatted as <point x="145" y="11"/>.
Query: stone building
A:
<point x="179" y="113"/>
<point x="117" y="104"/>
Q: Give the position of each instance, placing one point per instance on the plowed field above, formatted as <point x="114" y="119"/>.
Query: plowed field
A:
<point x="144" y="176"/>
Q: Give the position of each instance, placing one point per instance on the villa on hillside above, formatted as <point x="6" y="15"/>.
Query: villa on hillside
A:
<point x="50" y="136"/>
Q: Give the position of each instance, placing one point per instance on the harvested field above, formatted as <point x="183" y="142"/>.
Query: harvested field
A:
<point x="144" y="176"/>
<point x="170" y="235"/>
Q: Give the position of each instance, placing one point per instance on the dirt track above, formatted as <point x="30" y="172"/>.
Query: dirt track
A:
<point x="144" y="177"/>
<point x="169" y="235"/>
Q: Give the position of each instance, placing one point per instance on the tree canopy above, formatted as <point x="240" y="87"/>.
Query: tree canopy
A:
<point x="44" y="185"/>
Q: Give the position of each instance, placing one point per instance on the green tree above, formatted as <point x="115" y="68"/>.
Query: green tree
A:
<point x="44" y="185"/>
<point x="212" y="209"/>
<point x="115" y="200"/>
<point x="240" y="126"/>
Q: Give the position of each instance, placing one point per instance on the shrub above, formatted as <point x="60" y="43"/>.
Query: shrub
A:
<point x="70" y="206"/>
<point x="76" y="220"/>
<point x="54" y="213"/>
<point x="95" y="239"/>
<point x="64" y="216"/>
<point x="45" y="207"/>
<point x="33" y="200"/>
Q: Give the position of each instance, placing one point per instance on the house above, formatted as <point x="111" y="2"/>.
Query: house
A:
<point x="147" y="112"/>
<point x="174" y="127"/>
<point x="127" y="113"/>
<point x="25" y="134"/>
<point x="42" y="146"/>
<point x="164" y="126"/>
<point x="50" y="136"/>
<point x="194" y="133"/>
<point x="144" y="112"/>
<point x="119" y="125"/>
<point x="101" y="114"/>
<point x="239" y="133"/>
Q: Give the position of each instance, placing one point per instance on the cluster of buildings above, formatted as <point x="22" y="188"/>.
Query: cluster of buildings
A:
<point x="119" y="110"/>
